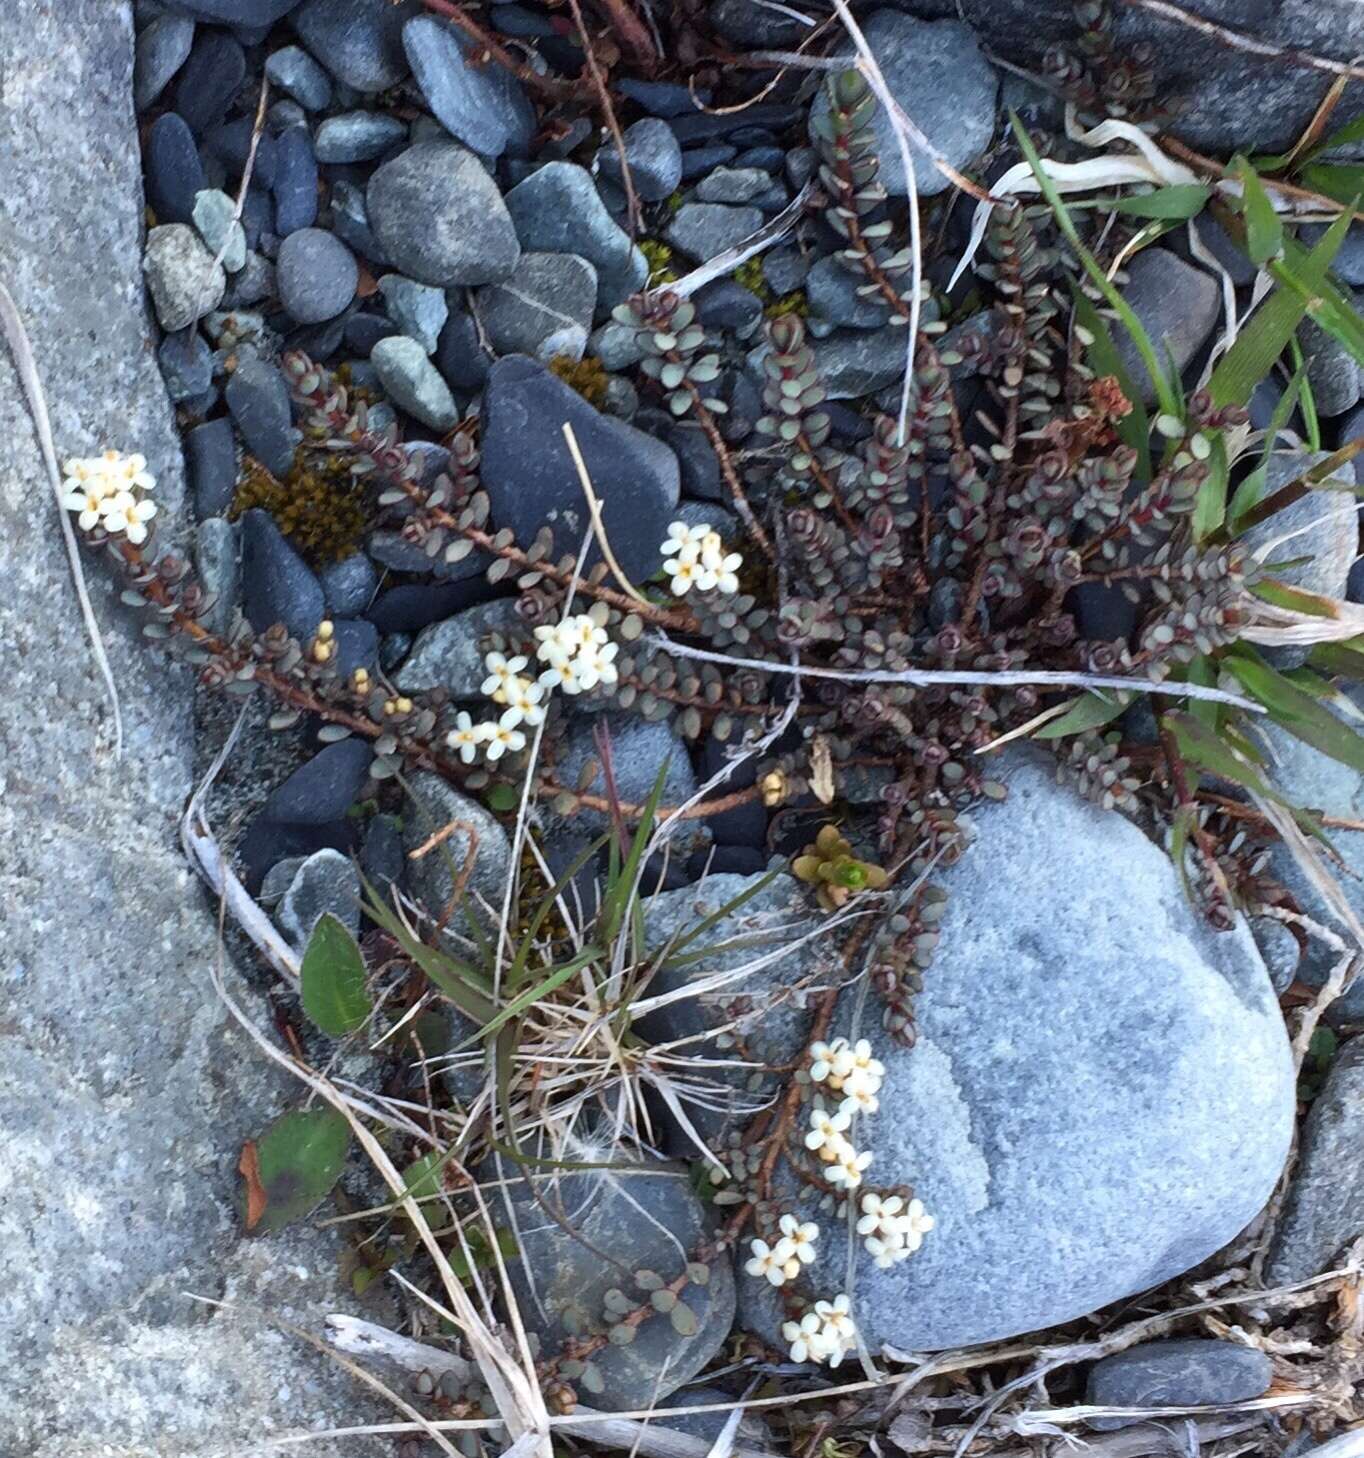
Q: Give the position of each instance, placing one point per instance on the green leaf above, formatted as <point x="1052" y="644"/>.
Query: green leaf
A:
<point x="1134" y="429"/>
<point x="333" y="979"/>
<point x="1264" y="227"/>
<point x="1342" y="660"/>
<point x="1273" y="324"/>
<point x="1342" y="183"/>
<point x="1301" y="714"/>
<point x="621" y="883"/>
<point x="1294" y="598"/>
<point x="1179" y="200"/>
<point x="718" y="915"/>
<point x="1213" y="752"/>
<point x="1310" y="419"/>
<point x="501" y="797"/>
<point x="1324" y="303"/>
<point x="532" y="995"/>
<point x="1166" y="392"/>
<point x="1088" y="711"/>
<point x="1210" y="507"/>
<point x="422" y="1178"/>
<point x="1352" y="131"/>
<point x="295" y="1164"/>
<point x="1249" y="492"/>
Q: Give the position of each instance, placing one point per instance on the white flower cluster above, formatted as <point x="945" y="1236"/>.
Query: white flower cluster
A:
<point x="825" y="1334"/>
<point x="850" y="1070"/>
<point x="109" y="491"/>
<point x="576" y="654"/>
<point x="893" y="1229"/>
<point x="697" y="558"/>
<point x="781" y="1262"/>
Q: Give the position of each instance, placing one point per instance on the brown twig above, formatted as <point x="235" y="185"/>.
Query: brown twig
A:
<point x="608" y="110"/>
<point x="632" y="811"/>
<point x="736" y="490"/>
<point x="630" y="31"/>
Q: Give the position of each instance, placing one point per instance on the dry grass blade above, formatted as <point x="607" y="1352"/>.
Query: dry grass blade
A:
<point x="756" y="242"/>
<point x="16" y="336"/>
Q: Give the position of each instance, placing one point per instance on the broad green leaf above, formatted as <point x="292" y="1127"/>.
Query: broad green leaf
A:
<point x="1324" y="303"/>
<point x="1134" y="429"/>
<point x="1273" y="324"/>
<point x="1088" y="711"/>
<point x="1264" y="228"/>
<point x="501" y="797"/>
<point x="332" y="978"/>
<point x="1294" y="598"/>
<point x="1166" y="391"/>
<point x="1301" y="714"/>
<point x="1203" y="671"/>
<point x="1342" y="660"/>
<point x="1179" y="200"/>
<point x="1213" y="752"/>
<point x="291" y="1168"/>
<point x="422" y="1178"/>
<point x="1341" y="182"/>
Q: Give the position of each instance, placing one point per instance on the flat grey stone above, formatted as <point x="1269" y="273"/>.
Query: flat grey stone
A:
<point x="358" y="136"/>
<point x="480" y="104"/>
<point x="1321" y="526"/>
<point x="186" y="365"/>
<point x="294" y="71"/>
<point x="253" y="283"/>
<point x="214" y="217"/>
<point x="163" y="46"/>
<point x="258" y="397"/>
<point x="433" y="804"/>
<point x="126" y="1091"/>
<point x="211" y="458"/>
<point x="348" y="585"/>
<point x="852" y="363"/>
<point x="618" y="1223"/>
<point x="1178" y="306"/>
<point x="413" y="382"/>
<point x="448" y="655"/>
<point x="705" y="230"/>
<point x="544" y="309"/>
<point x="832" y="291"/>
<point x="940" y="77"/>
<point x="278" y="586"/>
<point x="557" y="210"/>
<point x="327" y="883"/>
<point x="358" y="41"/>
<point x="217" y="561"/>
<point x="182" y="278"/>
<point x="1183" y="1372"/>
<point x="733" y="185"/>
<point x="1325" y="1208"/>
<point x="1100" y="1097"/>
<point x="419" y="310"/>
<point x="654" y="156"/>
<point x="440" y="218"/>
<point x="323" y="788"/>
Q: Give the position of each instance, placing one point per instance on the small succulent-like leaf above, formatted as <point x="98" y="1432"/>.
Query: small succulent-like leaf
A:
<point x="684" y="1320"/>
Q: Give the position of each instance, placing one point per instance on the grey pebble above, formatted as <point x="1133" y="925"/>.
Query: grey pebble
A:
<point x="419" y="310"/>
<point x="414" y="383"/>
<point x="293" y="70"/>
<point x="317" y="275"/>
<point x="357" y="136"/>
<point x="182" y="278"/>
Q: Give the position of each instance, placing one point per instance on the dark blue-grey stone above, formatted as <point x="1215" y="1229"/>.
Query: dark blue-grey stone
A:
<point x="480" y="103"/>
<point x="701" y="160"/>
<point x="350" y="221"/>
<point x="770" y="159"/>
<point x="733" y="185"/>
<point x="745" y="406"/>
<point x="357" y="136"/>
<point x="745" y="825"/>
<point x="316" y="275"/>
<point x="727" y="304"/>
<point x="785" y="269"/>
<point x="460" y="354"/>
<point x="348" y="585"/>
<point x="258" y="398"/>
<point x="326" y="884"/>
<point x="704" y="230"/>
<point x="163" y="45"/>
<point x="324" y="788"/>
<point x="558" y="210"/>
<point x="283" y="114"/>
<point x="696" y="458"/>
<point x="517" y="20"/>
<point x="752" y="137"/>
<point x="419" y="310"/>
<point x="238" y="12"/>
<point x="209" y="80"/>
<point x="449" y="654"/>
<point x="701" y="127"/>
<point x="1324" y="1212"/>
<point x="278" y="586"/>
<point x="940" y="77"/>
<point x="1323" y="523"/>
<point x="364" y="331"/>
<point x="217" y="560"/>
<point x="411" y="381"/>
<point x="654" y="156"/>
<point x="295" y="185"/>
<point x="544" y="309"/>
<point x="1178" y="306"/>
<point x="1348" y="264"/>
<point x="357" y="646"/>
<point x="1333" y="374"/>
<point x="439" y="217"/>
<point x="1183" y="1372"/>
<point x="211" y="460"/>
<point x="232" y="143"/>
<point x="186" y="364"/>
<point x="431" y="806"/>
<point x="413" y="605"/>
<point x="358" y="41"/>
<point x="529" y="476"/>
<point x="663" y="98"/>
<point x="294" y="71"/>
<point x="746" y="24"/>
<point x="381" y="854"/>
<point x="172" y="171"/>
<point x="832" y="291"/>
<point x="319" y="341"/>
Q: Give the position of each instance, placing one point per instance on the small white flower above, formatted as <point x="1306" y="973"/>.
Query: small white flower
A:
<point x="684" y="573"/>
<point x="837" y="1329"/>
<point x="717" y="574"/>
<point x="805" y="1338"/>
<point x="833" y="1062"/>
<point x="802" y="1237"/>
<point x="826" y="1132"/>
<point x="501" y="672"/>
<point x="916" y="1223"/>
<point x="554" y="642"/>
<point x="466" y="737"/>
<point x="85" y="498"/>
<point x="846" y="1169"/>
<point x="522" y="698"/>
<point x="123" y="512"/>
<point x="684" y="539"/>
<point x="878" y="1211"/>
<point x="562" y="675"/>
<point x="502" y="737"/>
<point x="859" y="1094"/>
<point x="772" y="1262"/>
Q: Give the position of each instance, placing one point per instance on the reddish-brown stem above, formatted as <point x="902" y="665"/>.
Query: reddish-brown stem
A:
<point x="732" y="801"/>
<point x="736" y="490"/>
<point x="827" y="484"/>
<point x="604" y="100"/>
<point x="631" y="31"/>
<point x="546" y="85"/>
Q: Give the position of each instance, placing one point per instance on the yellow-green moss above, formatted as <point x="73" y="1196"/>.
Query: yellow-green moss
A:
<point x="319" y="505"/>
<point x="587" y="376"/>
<point x="793" y="303"/>
<point x="660" y="257"/>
